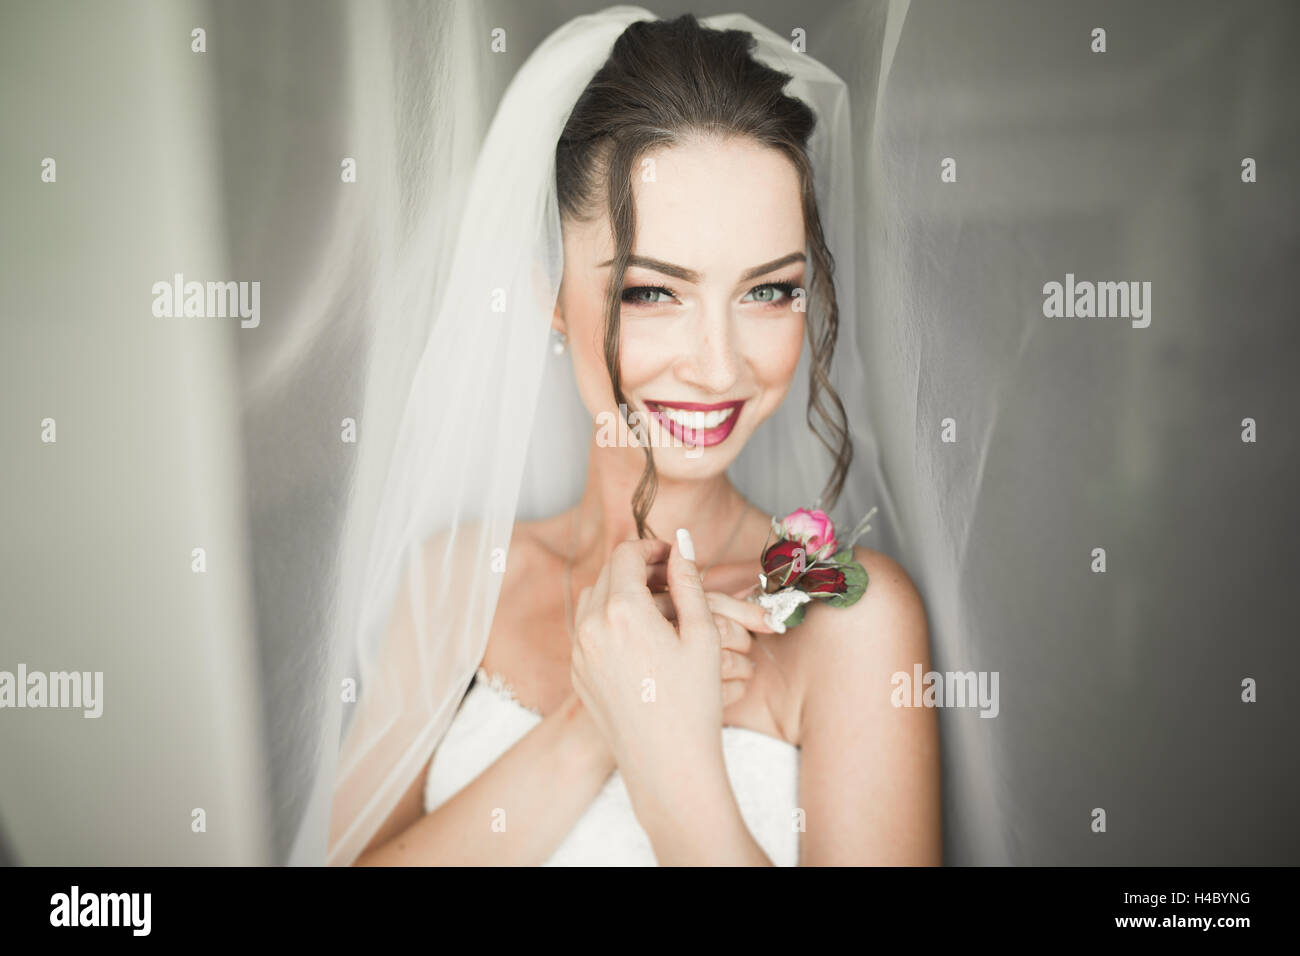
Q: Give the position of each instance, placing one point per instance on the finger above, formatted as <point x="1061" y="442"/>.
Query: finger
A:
<point x="664" y="602"/>
<point x="733" y="618"/>
<point x="732" y="635"/>
<point x="746" y="613"/>
<point x="736" y="666"/>
<point x="732" y="691"/>
<point x="695" y="620"/>
<point x="629" y="565"/>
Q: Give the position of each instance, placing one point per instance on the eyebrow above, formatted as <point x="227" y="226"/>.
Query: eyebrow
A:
<point x="690" y="275"/>
<point x="767" y="267"/>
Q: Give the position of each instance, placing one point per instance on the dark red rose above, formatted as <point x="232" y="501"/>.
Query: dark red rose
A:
<point x="823" y="581"/>
<point x="783" y="562"/>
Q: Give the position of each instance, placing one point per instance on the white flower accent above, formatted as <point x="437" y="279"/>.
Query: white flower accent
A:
<point x="781" y="605"/>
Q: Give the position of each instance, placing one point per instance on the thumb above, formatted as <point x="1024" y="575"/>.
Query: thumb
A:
<point x="694" y="616"/>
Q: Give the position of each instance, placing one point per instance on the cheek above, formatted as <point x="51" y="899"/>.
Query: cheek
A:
<point x="588" y="356"/>
<point x="582" y="305"/>
<point x="647" y="350"/>
<point x="773" y="352"/>
<point x="646" y="353"/>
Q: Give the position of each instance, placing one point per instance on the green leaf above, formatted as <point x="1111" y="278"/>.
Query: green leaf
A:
<point x="843" y="556"/>
<point x="795" y="616"/>
<point x="855" y="576"/>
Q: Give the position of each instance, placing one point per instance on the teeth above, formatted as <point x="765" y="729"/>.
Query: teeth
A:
<point x="700" y="421"/>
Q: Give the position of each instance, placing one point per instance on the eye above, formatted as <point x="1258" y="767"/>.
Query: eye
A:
<point x="646" y="295"/>
<point x="770" y="293"/>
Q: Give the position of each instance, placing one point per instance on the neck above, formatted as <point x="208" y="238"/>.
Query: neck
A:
<point x="709" y="508"/>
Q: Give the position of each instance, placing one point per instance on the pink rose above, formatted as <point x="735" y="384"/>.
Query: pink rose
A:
<point x="814" y="529"/>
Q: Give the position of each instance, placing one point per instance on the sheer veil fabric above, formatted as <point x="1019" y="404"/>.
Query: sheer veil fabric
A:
<point x="492" y="429"/>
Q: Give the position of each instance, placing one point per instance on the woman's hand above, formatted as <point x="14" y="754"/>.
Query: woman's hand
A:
<point x="737" y="621"/>
<point x="652" y="689"/>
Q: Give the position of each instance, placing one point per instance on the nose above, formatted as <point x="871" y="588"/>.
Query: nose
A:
<point x="710" y="361"/>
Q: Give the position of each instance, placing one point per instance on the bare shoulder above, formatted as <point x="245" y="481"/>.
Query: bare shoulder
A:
<point x="890" y="611"/>
<point x="891" y="598"/>
<point x="869" y="770"/>
<point x="841" y="650"/>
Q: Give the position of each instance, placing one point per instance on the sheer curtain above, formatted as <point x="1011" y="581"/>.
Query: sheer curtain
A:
<point x="1014" y="444"/>
<point x="1120" y="690"/>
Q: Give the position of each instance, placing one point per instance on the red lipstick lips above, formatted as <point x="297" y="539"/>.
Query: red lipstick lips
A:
<point x="695" y="423"/>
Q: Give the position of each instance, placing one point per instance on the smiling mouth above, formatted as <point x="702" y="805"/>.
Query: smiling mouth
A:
<point x="697" y="424"/>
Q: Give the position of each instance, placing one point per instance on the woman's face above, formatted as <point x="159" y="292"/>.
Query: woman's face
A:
<point x="710" y="331"/>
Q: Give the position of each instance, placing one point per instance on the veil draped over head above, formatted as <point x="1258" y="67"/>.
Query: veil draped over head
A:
<point x="467" y="457"/>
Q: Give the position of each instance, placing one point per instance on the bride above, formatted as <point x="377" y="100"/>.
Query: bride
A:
<point x="629" y="705"/>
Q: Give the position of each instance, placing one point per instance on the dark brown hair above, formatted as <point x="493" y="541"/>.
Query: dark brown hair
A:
<point x="666" y="80"/>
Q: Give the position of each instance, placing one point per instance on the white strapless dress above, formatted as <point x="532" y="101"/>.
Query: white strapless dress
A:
<point x="764" y="775"/>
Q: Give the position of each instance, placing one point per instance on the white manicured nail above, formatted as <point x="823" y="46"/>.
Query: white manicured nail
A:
<point x="685" y="545"/>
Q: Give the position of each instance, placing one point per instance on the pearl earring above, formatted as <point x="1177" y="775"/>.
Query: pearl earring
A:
<point x="558" y="341"/>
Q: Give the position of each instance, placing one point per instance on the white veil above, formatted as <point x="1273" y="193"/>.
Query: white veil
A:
<point x="463" y="466"/>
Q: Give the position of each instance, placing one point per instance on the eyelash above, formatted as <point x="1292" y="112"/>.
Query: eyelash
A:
<point x="786" y="287"/>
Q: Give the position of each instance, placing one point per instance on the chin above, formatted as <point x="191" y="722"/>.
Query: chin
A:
<point x="686" y="464"/>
